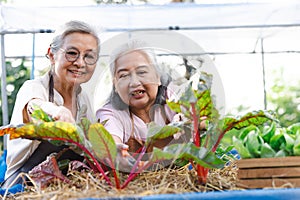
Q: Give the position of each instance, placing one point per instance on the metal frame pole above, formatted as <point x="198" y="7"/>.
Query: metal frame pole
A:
<point x="32" y="57"/>
<point x="263" y="72"/>
<point x="3" y="90"/>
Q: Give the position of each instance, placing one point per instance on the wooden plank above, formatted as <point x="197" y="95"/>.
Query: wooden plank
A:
<point x="269" y="172"/>
<point x="268" y="183"/>
<point x="268" y="162"/>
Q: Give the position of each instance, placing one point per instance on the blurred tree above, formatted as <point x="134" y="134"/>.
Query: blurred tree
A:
<point x="16" y="75"/>
<point x="284" y="99"/>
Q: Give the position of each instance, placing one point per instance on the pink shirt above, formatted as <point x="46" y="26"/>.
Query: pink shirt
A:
<point x="119" y="122"/>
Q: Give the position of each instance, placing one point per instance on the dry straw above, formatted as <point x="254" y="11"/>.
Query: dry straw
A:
<point x="165" y="181"/>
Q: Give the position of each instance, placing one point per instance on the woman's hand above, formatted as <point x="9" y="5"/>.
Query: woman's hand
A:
<point x="62" y="113"/>
<point x="124" y="160"/>
<point x="58" y="113"/>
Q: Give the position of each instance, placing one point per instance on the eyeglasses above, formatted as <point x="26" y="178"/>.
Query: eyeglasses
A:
<point x="72" y="54"/>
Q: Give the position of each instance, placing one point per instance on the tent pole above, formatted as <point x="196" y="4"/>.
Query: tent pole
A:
<point x="263" y="72"/>
<point x="32" y="57"/>
<point x="3" y="90"/>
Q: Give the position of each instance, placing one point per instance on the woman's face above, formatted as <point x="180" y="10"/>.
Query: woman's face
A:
<point x="136" y="80"/>
<point x="78" y="71"/>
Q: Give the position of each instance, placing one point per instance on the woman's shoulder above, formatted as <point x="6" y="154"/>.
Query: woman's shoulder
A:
<point x="33" y="87"/>
<point x="109" y="108"/>
<point x="42" y="81"/>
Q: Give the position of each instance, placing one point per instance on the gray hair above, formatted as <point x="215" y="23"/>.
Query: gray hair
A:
<point x="133" y="45"/>
<point x="72" y="27"/>
<point x="137" y="45"/>
<point x="60" y="34"/>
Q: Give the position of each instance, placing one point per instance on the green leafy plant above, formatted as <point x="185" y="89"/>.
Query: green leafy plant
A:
<point x="197" y="104"/>
<point x="284" y="98"/>
<point x="267" y="141"/>
<point x="16" y="76"/>
<point x="97" y="145"/>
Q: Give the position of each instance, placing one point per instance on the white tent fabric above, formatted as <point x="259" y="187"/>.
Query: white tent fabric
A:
<point x="231" y="34"/>
<point x="126" y="17"/>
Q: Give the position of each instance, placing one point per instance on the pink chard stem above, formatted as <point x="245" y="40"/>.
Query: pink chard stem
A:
<point x="87" y="152"/>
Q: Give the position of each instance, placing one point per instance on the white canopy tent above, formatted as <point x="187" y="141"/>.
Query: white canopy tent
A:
<point x="244" y="41"/>
<point x="125" y="17"/>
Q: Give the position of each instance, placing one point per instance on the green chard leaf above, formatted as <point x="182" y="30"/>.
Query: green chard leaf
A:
<point x="188" y="151"/>
<point x="156" y="132"/>
<point x="175" y="106"/>
<point x="204" y="104"/>
<point x="253" y="118"/>
<point x="39" y="115"/>
<point x="84" y="125"/>
<point x="8" y="129"/>
<point x="44" y="128"/>
<point x="102" y="142"/>
<point x="49" y="130"/>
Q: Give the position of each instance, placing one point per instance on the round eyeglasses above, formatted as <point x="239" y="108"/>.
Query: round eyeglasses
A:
<point x="72" y="54"/>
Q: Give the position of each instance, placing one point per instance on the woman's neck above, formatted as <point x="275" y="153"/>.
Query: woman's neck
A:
<point x="143" y="114"/>
<point x="69" y="95"/>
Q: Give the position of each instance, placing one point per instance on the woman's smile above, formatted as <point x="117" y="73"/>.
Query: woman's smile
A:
<point x="138" y="94"/>
<point x="76" y="73"/>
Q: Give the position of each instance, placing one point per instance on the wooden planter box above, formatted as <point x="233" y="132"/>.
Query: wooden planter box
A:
<point x="269" y="172"/>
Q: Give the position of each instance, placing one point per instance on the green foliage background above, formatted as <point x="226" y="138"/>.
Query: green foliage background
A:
<point x="284" y="99"/>
<point x="15" y="77"/>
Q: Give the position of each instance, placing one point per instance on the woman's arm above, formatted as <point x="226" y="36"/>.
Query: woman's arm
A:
<point x="59" y="113"/>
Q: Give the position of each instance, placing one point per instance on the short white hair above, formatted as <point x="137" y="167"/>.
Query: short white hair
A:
<point x="141" y="46"/>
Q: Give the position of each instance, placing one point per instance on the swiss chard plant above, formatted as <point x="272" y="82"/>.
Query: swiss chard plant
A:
<point x="96" y="144"/>
<point x="99" y="148"/>
<point x="197" y="104"/>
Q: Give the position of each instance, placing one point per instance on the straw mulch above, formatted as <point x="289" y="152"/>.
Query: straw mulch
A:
<point x="164" y="181"/>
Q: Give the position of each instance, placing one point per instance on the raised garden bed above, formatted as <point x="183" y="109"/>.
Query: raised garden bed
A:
<point x="269" y="172"/>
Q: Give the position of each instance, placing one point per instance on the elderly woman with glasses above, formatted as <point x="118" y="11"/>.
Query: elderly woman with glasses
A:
<point x="73" y="55"/>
